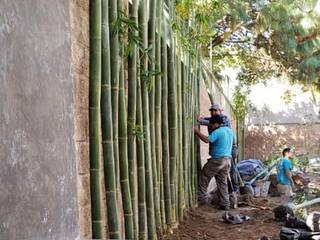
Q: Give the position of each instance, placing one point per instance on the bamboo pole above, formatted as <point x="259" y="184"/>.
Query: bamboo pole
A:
<point x="132" y="100"/>
<point x="94" y="116"/>
<point x="172" y="108"/>
<point x="184" y="133"/>
<point x="146" y="121"/>
<point x="198" y="152"/>
<point x="123" y="148"/>
<point x="180" y="141"/>
<point x="152" y="69"/>
<point x="107" y="130"/>
<point x="158" y="86"/>
<point x="114" y="60"/>
<point x="164" y="130"/>
<point x="191" y="137"/>
<point x="141" y="165"/>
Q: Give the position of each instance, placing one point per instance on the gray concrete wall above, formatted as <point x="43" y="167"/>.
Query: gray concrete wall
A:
<point x="38" y="195"/>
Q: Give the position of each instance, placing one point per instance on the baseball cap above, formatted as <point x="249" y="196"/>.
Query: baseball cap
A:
<point x="216" y="119"/>
<point x="215" y="106"/>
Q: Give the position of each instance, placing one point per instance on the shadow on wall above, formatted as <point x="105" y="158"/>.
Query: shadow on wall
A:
<point x="265" y="140"/>
<point x="296" y="113"/>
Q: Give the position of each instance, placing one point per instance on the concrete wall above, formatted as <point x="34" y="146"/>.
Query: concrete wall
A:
<point x="38" y="180"/>
<point x="263" y="140"/>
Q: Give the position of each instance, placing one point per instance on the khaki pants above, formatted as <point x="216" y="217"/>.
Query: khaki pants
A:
<point x="218" y="168"/>
<point x="285" y="193"/>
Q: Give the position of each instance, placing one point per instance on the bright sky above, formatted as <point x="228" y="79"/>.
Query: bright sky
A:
<point x="270" y="96"/>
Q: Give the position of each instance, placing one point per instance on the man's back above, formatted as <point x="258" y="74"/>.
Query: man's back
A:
<point x="283" y="166"/>
<point x="221" y="141"/>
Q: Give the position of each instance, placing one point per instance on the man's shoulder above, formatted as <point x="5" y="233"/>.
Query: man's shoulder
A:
<point x="286" y="162"/>
<point x="226" y="129"/>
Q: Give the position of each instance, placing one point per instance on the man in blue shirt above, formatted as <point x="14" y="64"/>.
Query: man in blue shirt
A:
<point x="216" y="109"/>
<point x="284" y="176"/>
<point x="218" y="165"/>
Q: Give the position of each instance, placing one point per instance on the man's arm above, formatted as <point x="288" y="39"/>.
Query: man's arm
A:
<point x="205" y="121"/>
<point x="201" y="136"/>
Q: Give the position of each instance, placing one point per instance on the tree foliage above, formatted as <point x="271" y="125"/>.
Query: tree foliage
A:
<point x="262" y="38"/>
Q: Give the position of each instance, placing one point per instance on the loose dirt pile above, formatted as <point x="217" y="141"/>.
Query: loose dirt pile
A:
<point x="206" y="222"/>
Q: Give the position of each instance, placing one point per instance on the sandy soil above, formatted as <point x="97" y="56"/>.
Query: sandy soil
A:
<point x="206" y="222"/>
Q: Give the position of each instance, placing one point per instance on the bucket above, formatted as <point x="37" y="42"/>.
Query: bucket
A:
<point x="264" y="188"/>
<point x="261" y="188"/>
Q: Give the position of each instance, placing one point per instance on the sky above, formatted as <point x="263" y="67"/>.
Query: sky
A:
<point x="268" y="102"/>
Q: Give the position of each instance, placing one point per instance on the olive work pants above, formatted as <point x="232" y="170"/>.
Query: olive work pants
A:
<point x="218" y="168"/>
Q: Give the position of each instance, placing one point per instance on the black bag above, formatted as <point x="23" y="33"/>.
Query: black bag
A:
<point x="295" y="234"/>
<point x="293" y="222"/>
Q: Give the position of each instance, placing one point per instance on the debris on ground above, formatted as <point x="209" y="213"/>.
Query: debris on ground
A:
<point x="296" y="234"/>
<point x="205" y="222"/>
<point x="281" y="213"/>
<point x="234" y="218"/>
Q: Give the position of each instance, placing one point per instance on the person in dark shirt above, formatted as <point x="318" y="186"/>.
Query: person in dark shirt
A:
<point x="218" y="165"/>
<point x="216" y="109"/>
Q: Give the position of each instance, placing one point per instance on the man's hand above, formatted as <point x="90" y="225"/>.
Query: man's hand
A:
<point x="196" y="130"/>
<point x="199" y="119"/>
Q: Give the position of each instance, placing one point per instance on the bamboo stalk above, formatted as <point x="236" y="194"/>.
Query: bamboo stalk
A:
<point x="180" y="141"/>
<point x="107" y="130"/>
<point x="184" y="78"/>
<point x="123" y="148"/>
<point x="191" y="137"/>
<point x="94" y="116"/>
<point x="198" y="150"/>
<point x="164" y="131"/>
<point x="172" y="108"/>
<point x="132" y="99"/>
<point x="114" y="52"/>
<point x="152" y="68"/>
<point x="141" y="166"/>
<point x="146" y="120"/>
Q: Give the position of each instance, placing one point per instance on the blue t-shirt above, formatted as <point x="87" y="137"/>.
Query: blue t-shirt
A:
<point x="221" y="141"/>
<point x="284" y="165"/>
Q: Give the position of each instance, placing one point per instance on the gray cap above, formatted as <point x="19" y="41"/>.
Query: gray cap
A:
<point x="215" y="106"/>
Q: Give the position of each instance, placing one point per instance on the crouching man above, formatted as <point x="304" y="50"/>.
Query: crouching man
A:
<point x="218" y="165"/>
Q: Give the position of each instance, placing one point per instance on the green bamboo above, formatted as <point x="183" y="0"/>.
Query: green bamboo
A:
<point x="94" y="116"/>
<point x="141" y="165"/>
<point x="123" y="148"/>
<point x="107" y="130"/>
<point x="185" y="105"/>
<point x="114" y="60"/>
<point x="146" y="120"/>
<point x="180" y="140"/>
<point x="152" y="68"/>
<point x="172" y="108"/>
<point x="164" y="131"/>
<point x="162" y="202"/>
<point x="198" y="150"/>
<point x="132" y="98"/>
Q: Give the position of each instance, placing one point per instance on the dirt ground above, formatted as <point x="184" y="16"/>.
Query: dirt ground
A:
<point x="206" y="222"/>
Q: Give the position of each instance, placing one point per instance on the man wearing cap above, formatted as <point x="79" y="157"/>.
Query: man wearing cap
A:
<point x="216" y="109"/>
<point x="218" y="166"/>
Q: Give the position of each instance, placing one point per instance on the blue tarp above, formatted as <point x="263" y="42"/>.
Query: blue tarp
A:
<point x="250" y="167"/>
